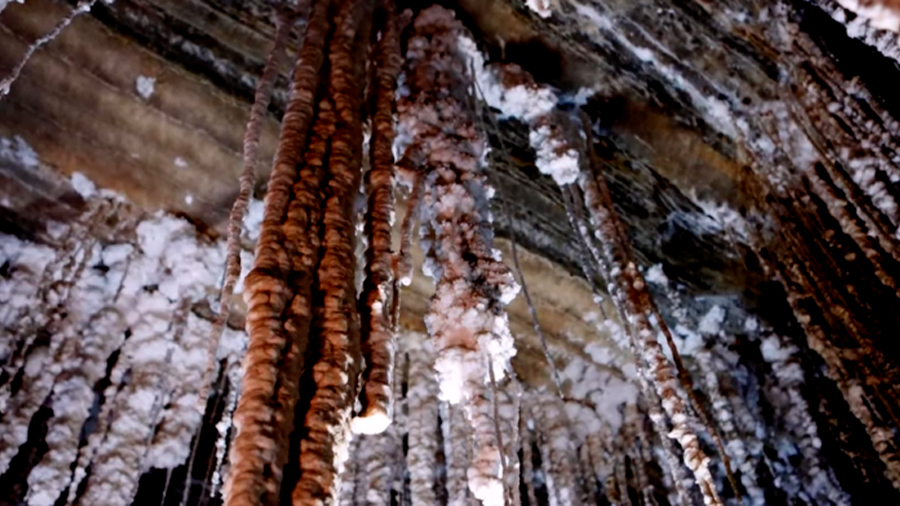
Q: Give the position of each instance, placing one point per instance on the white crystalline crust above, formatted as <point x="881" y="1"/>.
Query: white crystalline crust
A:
<point x="128" y="317"/>
<point x="145" y="86"/>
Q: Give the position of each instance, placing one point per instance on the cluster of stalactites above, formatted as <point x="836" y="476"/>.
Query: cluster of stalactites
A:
<point x="544" y="455"/>
<point x="833" y="194"/>
<point x="305" y="323"/>
<point x="466" y="318"/>
<point x="559" y="143"/>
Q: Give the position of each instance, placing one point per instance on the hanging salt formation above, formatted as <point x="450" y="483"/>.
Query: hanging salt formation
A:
<point x="293" y="340"/>
<point x="83" y="6"/>
<point x="422" y="405"/>
<point x="558" y="155"/>
<point x="834" y="248"/>
<point x="466" y="318"/>
<point x="118" y="317"/>
<point x="261" y="101"/>
<point x="380" y="291"/>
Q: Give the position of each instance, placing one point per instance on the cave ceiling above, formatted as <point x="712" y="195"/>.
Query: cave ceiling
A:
<point x="666" y="81"/>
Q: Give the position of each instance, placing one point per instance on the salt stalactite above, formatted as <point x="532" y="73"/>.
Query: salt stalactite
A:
<point x="610" y="467"/>
<point x="283" y="27"/>
<point x="864" y="28"/>
<point x="508" y="399"/>
<point x="377" y="460"/>
<point x="514" y="92"/>
<point x="379" y="288"/>
<point x="135" y="409"/>
<point x="24" y="290"/>
<point x="225" y="425"/>
<point x="785" y="395"/>
<point x="798" y="290"/>
<point x="557" y="448"/>
<point x="466" y="317"/>
<point x="83" y="364"/>
<point x="857" y="218"/>
<point x="803" y="286"/>
<point x="541" y="99"/>
<point x="84" y="6"/>
<point x="646" y="456"/>
<point x="669" y="458"/>
<point x="422" y="406"/>
<point x="164" y="343"/>
<point x="723" y="414"/>
<point x="387" y="479"/>
<point x="485" y="474"/>
<point x="593" y="260"/>
<point x="746" y="417"/>
<point x="353" y="478"/>
<point x="403" y="268"/>
<point x="632" y="300"/>
<point x="621" y="475"/>
<point x="452" y="160"/>
<point x="323" y="450"/>
<point x="37" y="365"/>
<point x="127" y="324"/>
<point x="458" y="451"/>
<point x="596" y="446"/>
<point x="701" y="409"/>
<point x="382" y="464"/>
<point x="53" y="293"/>
<point x="266" y="290"/>
<point x="637" y="307"/>
<point x="180" y="416"/>
<point x="709" y="327"/>
<point x="41" y="364"/>
<point x="588" y="490"/>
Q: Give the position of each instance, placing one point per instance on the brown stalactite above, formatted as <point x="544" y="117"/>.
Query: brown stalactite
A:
<point x="323" y="449"/>
<point x="256" y="447"/>
<point x="379" y="288"/>
<point x="302" y="230"/>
